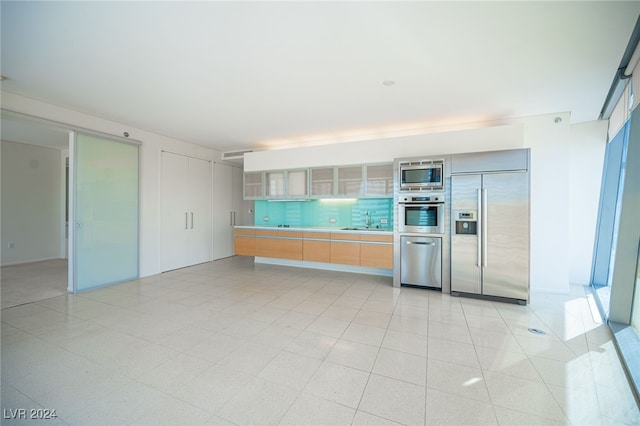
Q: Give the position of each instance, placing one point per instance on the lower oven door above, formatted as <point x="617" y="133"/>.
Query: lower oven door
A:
<point x="424" y="218"/>
<point x="421" y="261"/>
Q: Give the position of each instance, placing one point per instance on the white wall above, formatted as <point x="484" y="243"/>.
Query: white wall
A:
<point x="588" y="143"/>
<point x="152" y="145"/>
<point x="562" y="160"/>
<point x="549" y="143"/>
<point x="31" y="203"/>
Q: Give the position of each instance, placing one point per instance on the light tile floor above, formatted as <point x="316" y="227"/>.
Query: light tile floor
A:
<point x="33" y="281"/>
<point x="231" y="342"/>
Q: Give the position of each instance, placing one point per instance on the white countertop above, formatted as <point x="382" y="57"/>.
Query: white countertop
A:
<point x="319" y="229"/>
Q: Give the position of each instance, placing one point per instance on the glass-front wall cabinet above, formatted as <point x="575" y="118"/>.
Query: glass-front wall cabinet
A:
<point x="322" y="182"/>
<point x="350" y="183"/>
<point x="253" y="185"/>
<point x="379" y="180"/>
<point x="274" y="184"/>
<point x="297" y="184"/>
<point x="357" y="181"/>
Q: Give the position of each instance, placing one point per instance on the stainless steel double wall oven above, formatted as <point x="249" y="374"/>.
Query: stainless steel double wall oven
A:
<point x="421" y="218"/>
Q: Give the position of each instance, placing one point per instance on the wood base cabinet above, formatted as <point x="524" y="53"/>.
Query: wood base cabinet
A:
<point x="245" y="242"/>
<point x="345" y="249"/>
<point x="279" y="244"/>
<point x="316" y="247"/>
<point x="376" y="251"/>
<point x="372" y="250"/>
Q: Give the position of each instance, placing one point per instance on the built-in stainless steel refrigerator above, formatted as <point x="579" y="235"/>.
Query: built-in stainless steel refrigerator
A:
<point x="490" y="233"/>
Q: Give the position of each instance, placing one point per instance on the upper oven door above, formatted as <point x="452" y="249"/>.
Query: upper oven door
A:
<point x="419" y="177"/>
<point x="425" y="218"/>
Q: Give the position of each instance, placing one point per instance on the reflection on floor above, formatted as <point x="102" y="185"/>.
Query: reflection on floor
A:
<point x="231" y="342"/>
<point x="32" y="282"/>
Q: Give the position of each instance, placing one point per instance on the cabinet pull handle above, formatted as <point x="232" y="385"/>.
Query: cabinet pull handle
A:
<point x="186" y="220"/>
<point x="230" y="218"/>
<point x="234" y="218"/>
<point x="191" y="220"/>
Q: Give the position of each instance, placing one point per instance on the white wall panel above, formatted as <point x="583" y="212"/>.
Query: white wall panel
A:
<point x="31" y="203"/>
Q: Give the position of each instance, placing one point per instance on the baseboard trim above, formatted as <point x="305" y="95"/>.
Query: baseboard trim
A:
<point x="32" y="261"/>
<point x="325" y="266"/>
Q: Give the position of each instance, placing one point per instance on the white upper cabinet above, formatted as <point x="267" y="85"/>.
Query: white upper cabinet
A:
<point x="379" y="180"/>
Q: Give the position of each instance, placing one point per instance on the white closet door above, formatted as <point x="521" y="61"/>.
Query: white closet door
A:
<point x="174" y="210"/>
<point x="199" y="190"/>
<point x="222" y="212"/>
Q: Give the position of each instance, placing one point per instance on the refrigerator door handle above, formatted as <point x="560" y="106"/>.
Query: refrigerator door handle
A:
<point x="481" y="230"/>
<point x="484" y="227"/>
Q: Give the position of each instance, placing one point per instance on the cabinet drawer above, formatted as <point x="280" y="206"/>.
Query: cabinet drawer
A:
<point x="289" y="249"/>
<point x="244" y="245"/>
<point x="316" y="251"/>
<point x="289" y="234"/>
<point x="317" y="235"/>
<point x="376" y="255"/>
<point x="345" y="253"/>
<point x="266" y="233"/>
<point x="248" y="232"/>
<point x="279" y="248"/>
<point x="377" y="238"/>
<point x="345" y="236"/>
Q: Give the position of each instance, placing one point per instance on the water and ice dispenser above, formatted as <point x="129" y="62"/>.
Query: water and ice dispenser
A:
<point x="466" y="222"/>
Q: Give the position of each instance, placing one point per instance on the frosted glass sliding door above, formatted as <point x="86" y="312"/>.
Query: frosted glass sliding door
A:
<point x="105" y="211"/>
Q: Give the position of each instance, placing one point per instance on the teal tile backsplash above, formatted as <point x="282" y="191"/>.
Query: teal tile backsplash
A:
<point x="347" y="213"/>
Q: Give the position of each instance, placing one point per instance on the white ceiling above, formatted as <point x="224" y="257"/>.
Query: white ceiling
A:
<point x="234" y="75"/>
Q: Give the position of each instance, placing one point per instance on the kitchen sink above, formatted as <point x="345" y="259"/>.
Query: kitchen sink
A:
<point x="361" y="229"/>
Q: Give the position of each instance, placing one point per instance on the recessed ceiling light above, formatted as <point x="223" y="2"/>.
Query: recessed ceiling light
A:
<point x="388" y="83"/>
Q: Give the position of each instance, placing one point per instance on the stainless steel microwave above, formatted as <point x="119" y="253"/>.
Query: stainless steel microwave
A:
<point x="421" y="175"/>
